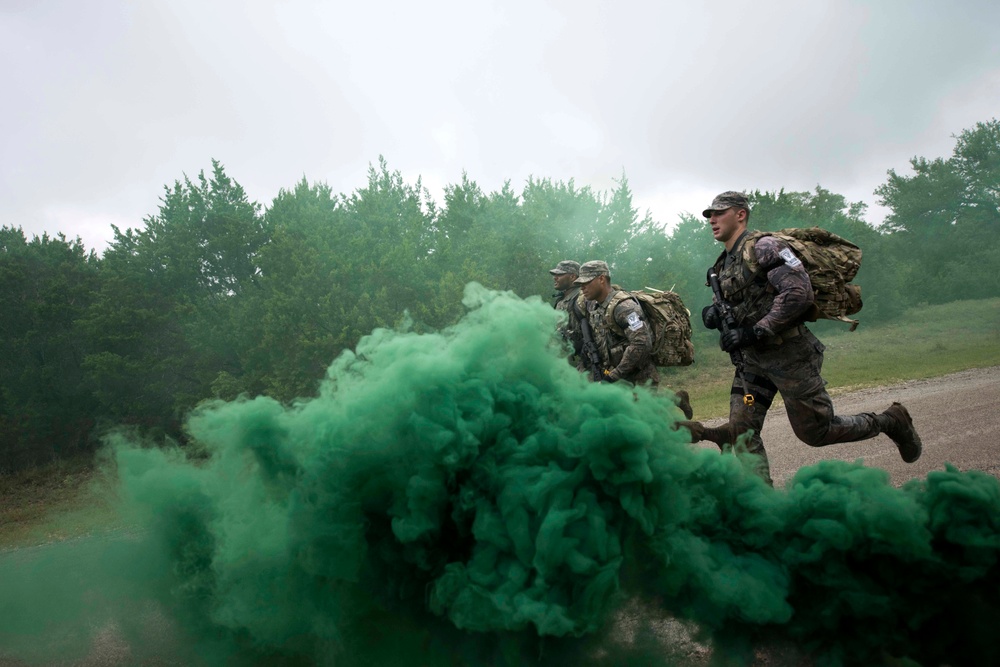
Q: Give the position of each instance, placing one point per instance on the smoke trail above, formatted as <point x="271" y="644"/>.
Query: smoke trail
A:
<point x="468" y="498"/>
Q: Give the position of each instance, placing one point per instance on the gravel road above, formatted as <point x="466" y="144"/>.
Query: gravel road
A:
<point x="957" y="417"/>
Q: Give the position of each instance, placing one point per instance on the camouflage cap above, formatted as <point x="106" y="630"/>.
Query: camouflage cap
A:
<point x="566" y="266"/>
<point x="728" y="199"/>
<point x="591" y="270"/>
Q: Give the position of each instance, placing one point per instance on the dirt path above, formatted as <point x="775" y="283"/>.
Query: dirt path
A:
<point x="957" y="416"/>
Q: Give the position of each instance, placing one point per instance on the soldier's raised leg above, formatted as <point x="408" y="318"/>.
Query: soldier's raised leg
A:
<point x="812" y="417"/>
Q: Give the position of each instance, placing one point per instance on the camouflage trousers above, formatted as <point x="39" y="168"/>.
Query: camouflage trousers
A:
<point x="792" y="368"/>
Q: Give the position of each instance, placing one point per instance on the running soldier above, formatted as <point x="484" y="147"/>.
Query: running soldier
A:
<point x="780" y="354"/>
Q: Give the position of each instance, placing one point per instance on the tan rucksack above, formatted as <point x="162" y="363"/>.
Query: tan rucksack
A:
<point x="669" y="321"/>
<point x="831" y="262"/>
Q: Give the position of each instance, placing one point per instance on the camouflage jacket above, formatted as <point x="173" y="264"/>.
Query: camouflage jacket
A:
<point x="570" y="330"/>
<point x="776" y="296"/>
<point x="628" y="357"/>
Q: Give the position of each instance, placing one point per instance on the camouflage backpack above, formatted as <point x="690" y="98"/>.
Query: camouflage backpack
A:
<point x="669" y="321"/>
<point x="831" y="262"/>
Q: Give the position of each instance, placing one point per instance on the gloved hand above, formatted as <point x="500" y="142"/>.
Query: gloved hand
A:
<point x="609" y="376"/>
<point x="711" y="317"/>
<point x="735" y="339"/>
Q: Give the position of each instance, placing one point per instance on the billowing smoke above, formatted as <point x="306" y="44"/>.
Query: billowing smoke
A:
<point x="468" y="498"/>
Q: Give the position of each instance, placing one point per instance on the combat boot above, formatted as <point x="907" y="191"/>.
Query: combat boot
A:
<point x="720" y="435"/>
<point x="896" y="423"/>
<point x="684" y="403"/>
<point x="697" y="429"/>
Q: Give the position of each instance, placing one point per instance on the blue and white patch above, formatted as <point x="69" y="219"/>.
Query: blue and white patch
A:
<point x="634" y="323"/>
<point x="790" y="258"/>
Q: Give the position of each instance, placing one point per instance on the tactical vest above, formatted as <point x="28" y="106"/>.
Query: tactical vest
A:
<point x="566" y="298"/>
<point x="748" y="293"/>
<point x="610" y="345"/>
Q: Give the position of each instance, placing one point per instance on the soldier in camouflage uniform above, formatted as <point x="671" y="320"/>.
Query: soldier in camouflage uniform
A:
<point x="567" y="293"/>
<point x="627" y="355"/>
<point x="780" y="353"/>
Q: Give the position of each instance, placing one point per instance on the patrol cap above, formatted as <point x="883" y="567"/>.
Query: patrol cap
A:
<point x="728" y="199"/>
<point x="566" y="266"/>
<point x="591" y="270"/>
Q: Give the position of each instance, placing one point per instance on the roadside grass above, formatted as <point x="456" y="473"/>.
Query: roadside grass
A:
<point x="925" y="342"/>
<point x="73" y="498"/>
<point x="58" y="501"/>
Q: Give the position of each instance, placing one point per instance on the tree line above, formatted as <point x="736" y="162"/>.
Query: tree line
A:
<point x="215" y="296"/>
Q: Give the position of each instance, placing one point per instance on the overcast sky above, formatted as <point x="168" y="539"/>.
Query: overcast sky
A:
<point x="107" y="101"/>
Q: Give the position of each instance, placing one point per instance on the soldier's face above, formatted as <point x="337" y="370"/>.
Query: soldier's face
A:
<point x="726" y="224"/>
<point x="591" y="290"/>
<point x="563" y="281"/>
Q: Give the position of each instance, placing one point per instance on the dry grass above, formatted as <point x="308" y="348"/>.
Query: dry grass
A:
<point x="54" y="502"/>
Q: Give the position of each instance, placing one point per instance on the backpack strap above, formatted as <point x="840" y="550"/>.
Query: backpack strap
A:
<point x="575" y="307"/>
<point x="745" y="248"/>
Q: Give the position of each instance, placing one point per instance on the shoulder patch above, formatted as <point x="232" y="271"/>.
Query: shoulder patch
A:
<point x="634" y="321"/>
<point x="790" y="258"/>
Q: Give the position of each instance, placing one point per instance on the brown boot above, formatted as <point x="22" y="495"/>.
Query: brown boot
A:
<point x="720" y="435"/>
<point x="697" y="429"/>
<point x="684" y="403"/>
<point x="896" y="423"/>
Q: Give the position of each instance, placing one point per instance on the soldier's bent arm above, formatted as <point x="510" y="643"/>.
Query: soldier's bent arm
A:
<point x="628" y="315"/>
<point x="793" y="291"/>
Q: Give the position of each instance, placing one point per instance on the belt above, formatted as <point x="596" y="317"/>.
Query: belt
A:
<point x="786" y="335"/>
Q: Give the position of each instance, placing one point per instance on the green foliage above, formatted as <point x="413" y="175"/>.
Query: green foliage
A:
<point x="46" y="284"/>
<point x="160" y="327"/>
<point x="945" y="216"/>
<point x="289" y="326"/>
<point x="214" y="297"/>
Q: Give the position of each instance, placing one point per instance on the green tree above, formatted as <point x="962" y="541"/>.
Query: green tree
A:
<point x="162" y="325"/>
<point x="615" y="237"/>
<point x="944" y="216"/>
<point x="337" y="267"/>
<point x="45" y="404"/>
<point x="387" y="256"/>
<point x="297" y="322"/>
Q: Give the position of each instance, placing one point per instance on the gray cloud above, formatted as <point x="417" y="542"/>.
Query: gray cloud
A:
<point x="109" y="101"/>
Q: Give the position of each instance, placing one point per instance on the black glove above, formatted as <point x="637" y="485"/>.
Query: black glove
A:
<point x="735" y="339"/>
<point x="711" y="317"/>
<point x="608" y="377"/>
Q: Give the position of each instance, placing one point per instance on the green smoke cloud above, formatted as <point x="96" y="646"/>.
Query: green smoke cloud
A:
<point x="467" y="497"/>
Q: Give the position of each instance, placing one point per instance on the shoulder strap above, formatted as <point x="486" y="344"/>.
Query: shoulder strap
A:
<point x="620" y="296"/>
<point x="745" y="248"/>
